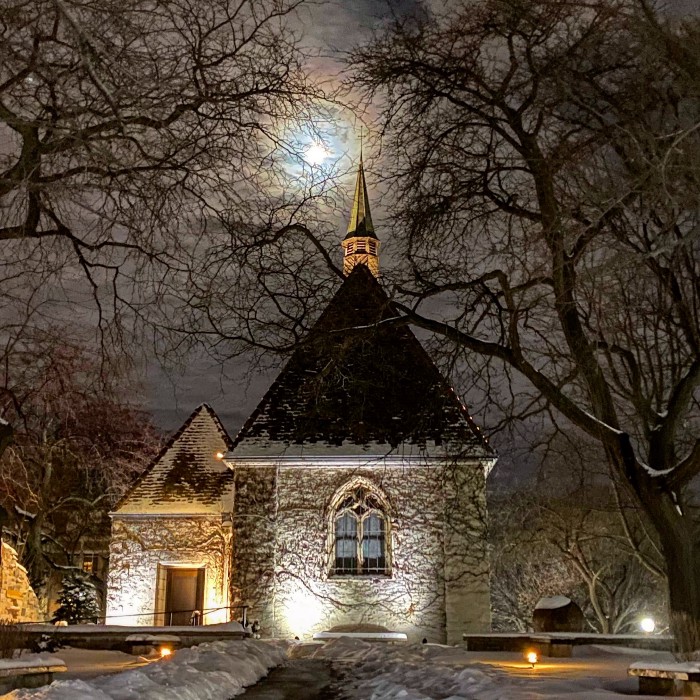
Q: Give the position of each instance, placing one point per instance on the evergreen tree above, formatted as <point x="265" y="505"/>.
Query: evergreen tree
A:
<point x="78" y="601"/>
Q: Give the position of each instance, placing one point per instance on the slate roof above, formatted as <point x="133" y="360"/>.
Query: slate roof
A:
<point x="360" y="386"/>
<point x="186" y="477"/>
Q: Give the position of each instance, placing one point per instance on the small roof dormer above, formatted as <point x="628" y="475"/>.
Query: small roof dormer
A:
<point x="360" y="245"/>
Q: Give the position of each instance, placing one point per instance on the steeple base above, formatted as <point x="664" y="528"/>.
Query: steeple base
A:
<point x="361" y="250"/>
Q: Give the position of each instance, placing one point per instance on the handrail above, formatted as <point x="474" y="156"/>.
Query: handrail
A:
<point x="195" y="620"/>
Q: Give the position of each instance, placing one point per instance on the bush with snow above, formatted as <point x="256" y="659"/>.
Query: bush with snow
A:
<point x="78" y="602"/>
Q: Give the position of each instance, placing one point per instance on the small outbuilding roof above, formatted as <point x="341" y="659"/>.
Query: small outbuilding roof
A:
<point x="187" y="477"/>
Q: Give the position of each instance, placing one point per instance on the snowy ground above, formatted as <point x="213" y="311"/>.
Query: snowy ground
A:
<point x="435" y="672"/>
<point x="368" y="671"/>
<point x="211" y="671"/>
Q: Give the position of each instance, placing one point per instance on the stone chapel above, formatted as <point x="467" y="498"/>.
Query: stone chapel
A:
<point x="354" y="493"/>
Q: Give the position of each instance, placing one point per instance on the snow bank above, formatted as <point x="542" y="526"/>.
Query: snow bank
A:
<point x="377" y="671"/>
<point x="212" y="671"/>
<point x="416" y="672"/>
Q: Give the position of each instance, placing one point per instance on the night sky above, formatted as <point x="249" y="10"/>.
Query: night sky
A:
<point x="331" y="28"/>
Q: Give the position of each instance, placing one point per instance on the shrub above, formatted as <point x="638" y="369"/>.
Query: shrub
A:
<point x="78" y="600"/>
<point x="12" y="638"/>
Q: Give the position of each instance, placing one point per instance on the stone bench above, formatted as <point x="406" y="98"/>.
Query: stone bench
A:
<point x="559" y="644"/>
<point x="28" y="674"/>
<point x="364" y="636"/>
<point x="668" y="679"/>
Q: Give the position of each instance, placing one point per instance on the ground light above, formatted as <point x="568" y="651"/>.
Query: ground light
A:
<point x="532" y="658"/>
<point x="165" y="651"/>
<point x="647" y="624"/>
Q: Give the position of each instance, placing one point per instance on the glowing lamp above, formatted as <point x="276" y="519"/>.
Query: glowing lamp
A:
<point x="647" y="624"/>
<point x="532" y="658"/>
<point x="165" y="651"/>
<point x="304" y="610"/>
<point x="219" y="455"/>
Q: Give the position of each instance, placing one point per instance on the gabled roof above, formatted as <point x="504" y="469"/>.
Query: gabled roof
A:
<point x="360" y="384"/>
<point x="186" y="477"/>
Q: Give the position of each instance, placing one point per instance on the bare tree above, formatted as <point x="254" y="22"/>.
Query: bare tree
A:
<point x="519" y="580"/>
<point x="542" y="157"/>
<point x="577" y="544"/>
<point x="78" y="445"/>
<point x="138" y="137"/>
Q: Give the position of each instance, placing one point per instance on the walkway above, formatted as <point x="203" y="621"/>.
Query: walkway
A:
<point x="297" y="679"/>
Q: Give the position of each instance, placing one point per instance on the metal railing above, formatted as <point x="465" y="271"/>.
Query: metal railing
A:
<point x="196" y="617"/>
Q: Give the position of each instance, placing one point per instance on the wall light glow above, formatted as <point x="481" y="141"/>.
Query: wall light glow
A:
<point x="303" y="612"/>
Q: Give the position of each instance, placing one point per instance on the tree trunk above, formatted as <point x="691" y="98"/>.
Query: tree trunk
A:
<point x="681" y="550"/>
<point x="680" y="545"/>
<point x="682" y="554"/>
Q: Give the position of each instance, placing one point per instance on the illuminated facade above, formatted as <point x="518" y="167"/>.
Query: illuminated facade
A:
<point x="170" y="551"/>
<point x="354" y="494"/>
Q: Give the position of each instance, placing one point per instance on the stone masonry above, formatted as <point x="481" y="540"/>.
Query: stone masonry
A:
<point x="18" y="603"/>
<point x="283" y="552"/>
<point x="140" y="546"/>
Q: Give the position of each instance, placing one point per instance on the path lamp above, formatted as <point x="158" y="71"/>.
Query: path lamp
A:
<point x="647" y="624"/>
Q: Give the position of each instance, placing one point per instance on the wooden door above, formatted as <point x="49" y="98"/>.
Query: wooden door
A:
<point x="184" y="594"/>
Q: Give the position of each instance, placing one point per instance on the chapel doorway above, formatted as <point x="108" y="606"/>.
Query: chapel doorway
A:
<point x="184" y="595"/>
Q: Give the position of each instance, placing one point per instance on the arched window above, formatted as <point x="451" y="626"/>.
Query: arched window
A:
<point x="359" y="533"/>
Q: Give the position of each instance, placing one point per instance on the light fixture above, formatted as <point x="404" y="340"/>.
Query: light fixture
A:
<point x="647" y="624"/>
<point x="532" y="658"/>
<point x="219" y="455"/>
<point x="165" y="651"/>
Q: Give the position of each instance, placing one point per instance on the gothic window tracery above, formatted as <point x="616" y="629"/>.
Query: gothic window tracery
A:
<point x="360" y="537"/>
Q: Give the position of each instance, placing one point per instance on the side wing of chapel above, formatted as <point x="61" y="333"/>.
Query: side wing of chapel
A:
<point x="170" y="550"/>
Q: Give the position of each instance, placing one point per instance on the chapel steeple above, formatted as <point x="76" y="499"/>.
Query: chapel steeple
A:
<point x="360" y="245"/>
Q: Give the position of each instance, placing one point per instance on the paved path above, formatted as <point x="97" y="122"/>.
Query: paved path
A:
<point x="296" y="679"/>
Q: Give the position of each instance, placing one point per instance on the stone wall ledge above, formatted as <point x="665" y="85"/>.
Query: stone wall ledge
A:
<point x="115" y="637"/>
<point x="560" y="643"/>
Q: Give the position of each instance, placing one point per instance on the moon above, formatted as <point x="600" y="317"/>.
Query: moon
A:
<point x="316" y="154"/>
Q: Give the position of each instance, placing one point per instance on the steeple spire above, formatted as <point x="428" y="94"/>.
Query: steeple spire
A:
<point x="360" y="217"/>
<point x="361" y="245"/>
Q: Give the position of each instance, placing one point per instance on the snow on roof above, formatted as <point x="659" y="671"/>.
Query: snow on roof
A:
<point x="552" y="603"/>
<point x="186" y="477"/>
<point x="360" y="384"/>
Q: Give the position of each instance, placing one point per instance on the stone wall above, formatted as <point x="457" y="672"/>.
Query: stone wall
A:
<point x="141" y="546"/>
<point x="282" y="572"/>
<point x="18" y="603"/>
<point x="466" y="569"/>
